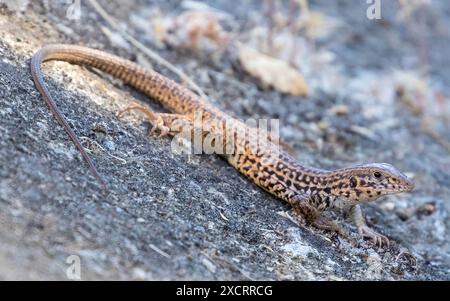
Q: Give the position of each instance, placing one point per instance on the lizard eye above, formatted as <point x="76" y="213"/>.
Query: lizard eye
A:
<point x="353" y="182"/>
<point x="377" y="174"/>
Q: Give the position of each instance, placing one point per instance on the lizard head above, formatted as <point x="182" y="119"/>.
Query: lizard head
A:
<point x="367" y="182"/>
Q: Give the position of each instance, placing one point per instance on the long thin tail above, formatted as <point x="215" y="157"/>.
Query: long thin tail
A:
<point x="171" y="95"/>
<point x="44" y="54"/>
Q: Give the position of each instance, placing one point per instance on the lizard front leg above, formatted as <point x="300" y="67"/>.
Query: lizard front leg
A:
<point x="302" y="205"/>
<point x="364" y="230"/>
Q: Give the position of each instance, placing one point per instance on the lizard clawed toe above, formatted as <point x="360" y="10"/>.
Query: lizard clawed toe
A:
<point x="134" y="106"/>
<point x="377" y="238"/>
<point x="159" y="125"/>
<point x="153" y="117"/>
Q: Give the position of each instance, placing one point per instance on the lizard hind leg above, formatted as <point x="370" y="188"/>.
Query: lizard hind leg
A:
<point x="162" y="122"/>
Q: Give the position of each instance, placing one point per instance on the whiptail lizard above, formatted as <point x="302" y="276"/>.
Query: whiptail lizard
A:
<point x="309" y="191"/>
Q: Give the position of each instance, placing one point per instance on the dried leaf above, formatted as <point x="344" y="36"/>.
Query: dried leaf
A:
<point x="197" y="30"/>
<point x="272" y="72"/>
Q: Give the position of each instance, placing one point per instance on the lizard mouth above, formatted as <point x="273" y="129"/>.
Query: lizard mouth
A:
<point x="400" y="189"/>
<point x="409" y="186"/>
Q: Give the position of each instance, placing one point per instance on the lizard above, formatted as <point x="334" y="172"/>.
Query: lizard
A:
<point x="309" y="191"/>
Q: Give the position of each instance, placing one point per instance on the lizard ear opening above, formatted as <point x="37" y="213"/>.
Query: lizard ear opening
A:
<point x="353" y="182"/>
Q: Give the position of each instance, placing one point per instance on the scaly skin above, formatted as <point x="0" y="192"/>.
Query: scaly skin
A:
<point x="310" y="191"/>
